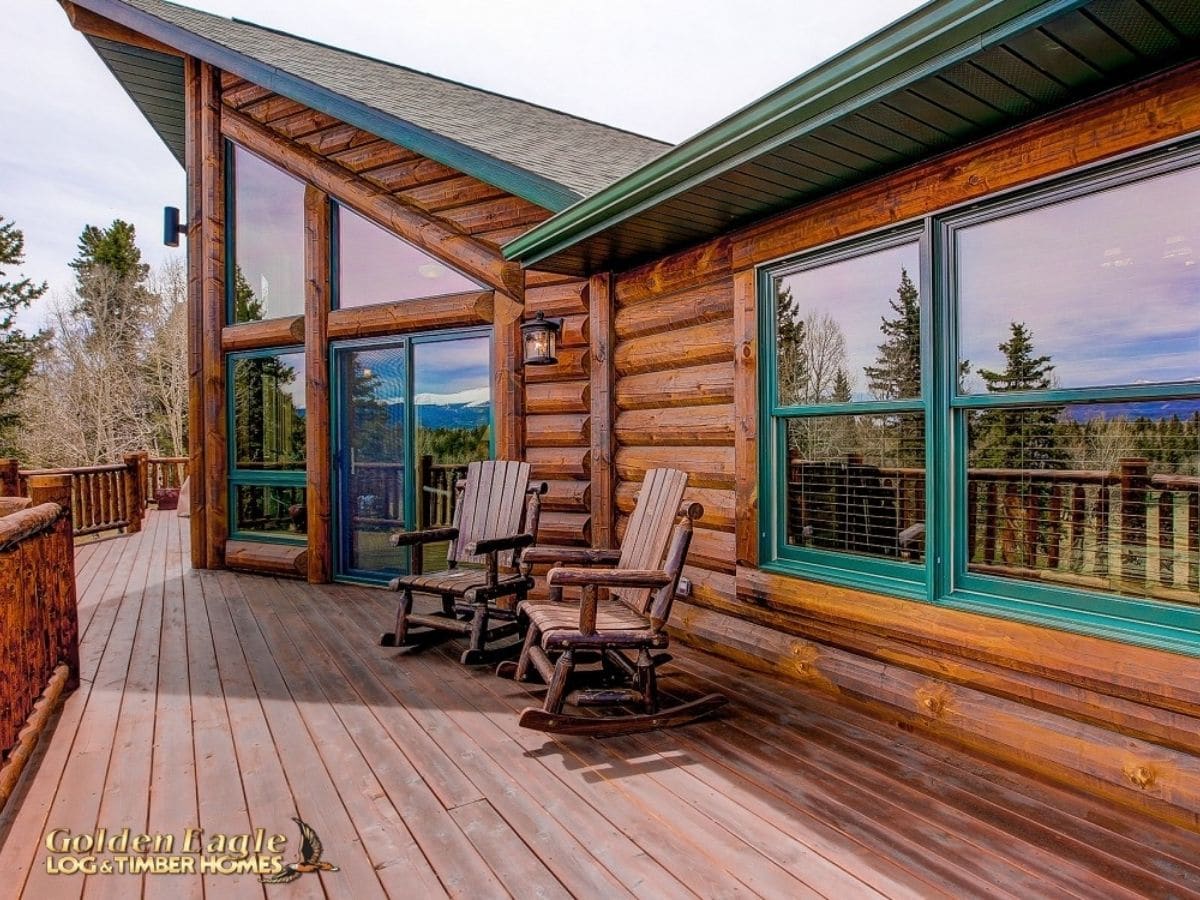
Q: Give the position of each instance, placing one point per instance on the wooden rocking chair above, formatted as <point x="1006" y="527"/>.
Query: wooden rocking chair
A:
<point x="496" y="516"/>
<point x="640" y="580"/>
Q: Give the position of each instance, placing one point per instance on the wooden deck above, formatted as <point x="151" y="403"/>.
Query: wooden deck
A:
<point x="233" y="702"/>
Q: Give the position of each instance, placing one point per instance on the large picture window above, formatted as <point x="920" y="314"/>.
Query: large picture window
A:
<point x="374" y="266"/>
<point x="267" y="444"/>
<point x="847" y="409"/>
<point x="1041" y="457"/>
<point x="264" y="240"/>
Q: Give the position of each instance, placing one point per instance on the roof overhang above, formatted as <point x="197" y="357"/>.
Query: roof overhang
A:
<point x="146" y="81"/>
<point x="950" y="73"/>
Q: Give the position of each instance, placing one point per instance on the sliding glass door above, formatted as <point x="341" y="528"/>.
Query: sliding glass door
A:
<point x="410" y="413"/>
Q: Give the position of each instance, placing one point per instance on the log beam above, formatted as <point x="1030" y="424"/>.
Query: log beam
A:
<point x="745" y="415"/>
<point x="87" y="22"/>
<point x="318" y="415"/>
<point x="267" y="333"/>
<point x="435" y="236"/>
<point x="403" y="316"/>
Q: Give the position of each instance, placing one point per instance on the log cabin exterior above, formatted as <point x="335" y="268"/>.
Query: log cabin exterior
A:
<point x="667" y="266"/>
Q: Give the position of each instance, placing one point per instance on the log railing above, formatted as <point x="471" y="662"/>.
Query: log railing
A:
<point x="39" y="625"/>
<point x="436" y="490"/>
<point x="1125" y="527"/>
<point x="105" y="498"/>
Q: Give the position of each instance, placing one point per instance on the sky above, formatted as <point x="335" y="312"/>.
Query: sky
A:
<point x="75" y="150"/>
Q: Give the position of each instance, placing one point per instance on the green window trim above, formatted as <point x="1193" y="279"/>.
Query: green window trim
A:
<point x="295" y="478"/>
<point x="944" y="580"/>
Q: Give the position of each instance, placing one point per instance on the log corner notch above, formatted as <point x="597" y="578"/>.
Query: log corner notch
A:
<point x="89" y="23"/>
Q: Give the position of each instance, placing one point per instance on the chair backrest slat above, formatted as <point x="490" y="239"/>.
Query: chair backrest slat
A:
<point x="492" y="506"/>
<point x="649" y="530"/>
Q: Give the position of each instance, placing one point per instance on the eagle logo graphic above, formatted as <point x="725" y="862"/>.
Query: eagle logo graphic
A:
<point x="310" y="858"/>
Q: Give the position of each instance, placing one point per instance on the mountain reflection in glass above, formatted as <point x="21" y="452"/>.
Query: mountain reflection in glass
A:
<point x="268" y="412"/>
<point x="375" y="266"/>
<point x="1107" y="284"/>
<point x="850" y="330"/>
<point x="268" y="240"/>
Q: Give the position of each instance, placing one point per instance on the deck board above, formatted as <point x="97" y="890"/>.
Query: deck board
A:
<point x="233" y="702"/>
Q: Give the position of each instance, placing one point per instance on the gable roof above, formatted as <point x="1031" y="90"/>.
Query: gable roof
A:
<point x="545" y="156"/>
<point x="944" y="76"/>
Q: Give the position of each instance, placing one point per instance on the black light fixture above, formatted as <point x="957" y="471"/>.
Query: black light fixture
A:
<point x="540" y="337"/>
<point x="172" y="229"/>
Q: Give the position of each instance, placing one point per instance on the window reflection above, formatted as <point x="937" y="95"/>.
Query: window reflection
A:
<point x="268" y="240"/>
<point x="1099" y="495"/>
<point x="377" y="267"/>
<point x="850" y="330"/>
<point x="857" y="484"/>
<point x="1107" y="286"/>
<point x="270" y="511"/>
<point x="268" y="418"/>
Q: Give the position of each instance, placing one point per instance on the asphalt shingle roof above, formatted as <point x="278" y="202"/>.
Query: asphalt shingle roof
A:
<point x="577" y="154"/>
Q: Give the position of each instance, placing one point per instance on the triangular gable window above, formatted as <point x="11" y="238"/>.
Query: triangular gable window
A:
<point x="375" y="266"/>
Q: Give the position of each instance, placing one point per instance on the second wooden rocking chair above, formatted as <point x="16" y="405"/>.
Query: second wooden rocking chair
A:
<point x="622" y="630"/>
<point x="496" y="516"/>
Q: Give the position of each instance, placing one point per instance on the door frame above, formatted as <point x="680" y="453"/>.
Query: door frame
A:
<point x="338" y="411"/>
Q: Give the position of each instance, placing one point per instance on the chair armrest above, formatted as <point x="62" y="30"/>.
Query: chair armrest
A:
<point x="611" y="578"/>
<point x="494" y="545"/>
<point x="574" y="556"/>
<point x="428" y="536"/>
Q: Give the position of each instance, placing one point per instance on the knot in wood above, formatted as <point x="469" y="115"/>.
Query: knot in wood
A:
<point x="806" y="656"/>
<point x="1141" y="775"/>
<point x="934" y="699"/>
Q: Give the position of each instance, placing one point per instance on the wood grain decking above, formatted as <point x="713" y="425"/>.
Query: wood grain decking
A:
<point x="232" y="702"/>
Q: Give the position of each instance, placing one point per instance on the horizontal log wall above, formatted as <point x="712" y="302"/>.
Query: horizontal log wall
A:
<point x="558" y="418"/>
<point x="1111" y="718"/>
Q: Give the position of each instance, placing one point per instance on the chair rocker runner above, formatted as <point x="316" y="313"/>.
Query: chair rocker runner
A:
<point x="496" y="516"/>
<point x="621" y="629"/>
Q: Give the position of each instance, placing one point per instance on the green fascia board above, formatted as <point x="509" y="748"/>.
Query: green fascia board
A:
<point x="536" y="189"/>
<point x="931" y="39"/>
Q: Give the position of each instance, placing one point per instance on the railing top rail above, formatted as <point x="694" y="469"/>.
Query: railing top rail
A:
<point x="78" y="470"/>
<point x="27" y="523"/>
<point x="1176" y="482"/>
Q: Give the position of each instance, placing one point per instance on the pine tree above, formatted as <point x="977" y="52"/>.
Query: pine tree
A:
<point x="897" y="372"/>
<point x="790" y="359"/>
<point x="841" y="387"/>
<point x="18" y="351"/>
<point x="1021" y="438"/>
<point x="111" y="279"/>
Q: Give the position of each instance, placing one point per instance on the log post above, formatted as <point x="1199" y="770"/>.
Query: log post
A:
<point x="318" y="415"/>
<point x="57" y="489"/>
<point x="745" y="415"/>
<point x="1135" y="484"/>
<point x="197" y="497"/>
<point x="10" y="478"/>
<point x="603" y="410"/>
<point x="134" y="493"/>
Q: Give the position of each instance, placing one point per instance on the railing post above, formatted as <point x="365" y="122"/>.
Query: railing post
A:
<point x="61" y="559"/>
<point x="1135" y="485"/>
<point x="10" y="478"/>
<point x="135" y="490"/>
<point x="427" y="498"/>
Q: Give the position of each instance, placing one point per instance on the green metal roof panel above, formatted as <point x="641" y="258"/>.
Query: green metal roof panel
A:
<point x="546" y="156"/>
<point x="949" y="73"/>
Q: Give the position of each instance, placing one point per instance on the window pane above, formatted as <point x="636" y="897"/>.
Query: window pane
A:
<point x="857" y="484"/>
<point x="268" y="276"/>
<point x="377" y="267"/>
<point x="453" y="401"/>
<point x="850" y="330"/>
<point x="268" y="412"/>
<point x="1106" y="287"/>
<point x="1103" y="496"/>
<point x="270" y="510"/>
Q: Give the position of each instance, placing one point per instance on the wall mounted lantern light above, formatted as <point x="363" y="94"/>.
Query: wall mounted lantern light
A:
<point x="540" y="337"/>
<point x="172" y="229"/>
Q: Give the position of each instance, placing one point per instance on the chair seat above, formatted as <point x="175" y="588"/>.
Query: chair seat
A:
<point x="455" y="582"/>
<point x="548" y="616"/>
